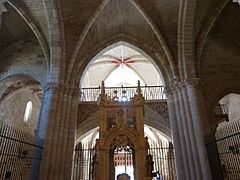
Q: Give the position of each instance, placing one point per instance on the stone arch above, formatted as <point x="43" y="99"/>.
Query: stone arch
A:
<point x="13" y="83"/>
<point x="75" y="65"/>
<point x="221" y="95"/>
<point x="132" y="46"/>
<point x="56" y="45"/>
<point x="16" y="91"/>
<point x="185" y="39"/>
<point x="143" y="46"/>
<point x="133" y="137"/>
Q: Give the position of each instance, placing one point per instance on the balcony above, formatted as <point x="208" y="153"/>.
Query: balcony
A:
<point x="150" y="93"/>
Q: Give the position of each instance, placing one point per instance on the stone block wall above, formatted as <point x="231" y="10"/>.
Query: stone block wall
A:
<point x="12" y="110"/>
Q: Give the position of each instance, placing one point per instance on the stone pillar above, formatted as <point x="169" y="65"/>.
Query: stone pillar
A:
<point x="186" y="131"/>
<point x="186" y="116"/>
<point x="58" y="119"/>
<point x="199" y="119"/>
<point x="182" y="136"/>
<point x="189" y="123"/>
<point x="176" y="136"/>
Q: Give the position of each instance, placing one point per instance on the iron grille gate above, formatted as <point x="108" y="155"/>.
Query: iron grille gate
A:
<point x="224" y="152"/>
<point x="82" y="163"/>
<point x="163" y="157"/>
<point x="164" y="161"/>
<point x="20" y="154"/>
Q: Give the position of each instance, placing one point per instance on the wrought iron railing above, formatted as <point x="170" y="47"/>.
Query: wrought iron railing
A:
<point x="82" y="162"/>
<point x="164" y="161"/>
<point x="123" y="93"/>
<point x="162" y="153"/>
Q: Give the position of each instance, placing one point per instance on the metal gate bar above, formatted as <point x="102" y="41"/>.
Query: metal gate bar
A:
<point x="18" y="153"/>
<point x="224" y="152"/>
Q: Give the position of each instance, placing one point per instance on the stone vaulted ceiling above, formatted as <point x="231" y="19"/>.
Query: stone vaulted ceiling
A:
<point x="80" y="29"/>
<point x="118" y="66"/>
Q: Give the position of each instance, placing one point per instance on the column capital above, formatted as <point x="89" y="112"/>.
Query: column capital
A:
<point x="51" y="86"/>
<point x="60" y="87"/>
<point x="168" y="90"/>
<point x="192" y="82"/>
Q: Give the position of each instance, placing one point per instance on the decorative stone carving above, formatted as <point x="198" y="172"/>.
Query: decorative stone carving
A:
<point x="121" y="141"/>
<point x="54" y="86"/>
<point x="85" y="110"/>
<point x="160" y="108"/>
<point x="192" y="82"/>
<point x="51" y="86"/>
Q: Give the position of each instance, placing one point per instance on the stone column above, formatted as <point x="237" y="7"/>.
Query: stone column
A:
<point x="58" y="119"/>
<point x="198" y="114"/>
<point x="182" y="136"/>
<point x="189" y="123"/>
<point x="176" y="136"/>
<point x="186" y="116"/>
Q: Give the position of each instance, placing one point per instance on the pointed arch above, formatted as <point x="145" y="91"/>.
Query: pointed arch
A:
<point x="165" y="57"/>
<point x="142" y="47"/>
<point x="57" y="40"/>
<point x="186" y="49"/>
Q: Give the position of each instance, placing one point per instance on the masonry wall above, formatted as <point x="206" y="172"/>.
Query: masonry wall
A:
<point x="12" y="110"/>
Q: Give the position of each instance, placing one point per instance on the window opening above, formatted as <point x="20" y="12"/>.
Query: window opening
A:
<point x="28" y="111"/>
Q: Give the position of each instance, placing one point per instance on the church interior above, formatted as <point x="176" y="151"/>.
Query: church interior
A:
<point x="119" y="90"/>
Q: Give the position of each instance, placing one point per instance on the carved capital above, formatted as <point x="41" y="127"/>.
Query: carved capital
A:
<point x="168" y="91"/>
<point x="51" y="87"/>
<point x="192" y="83"/>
